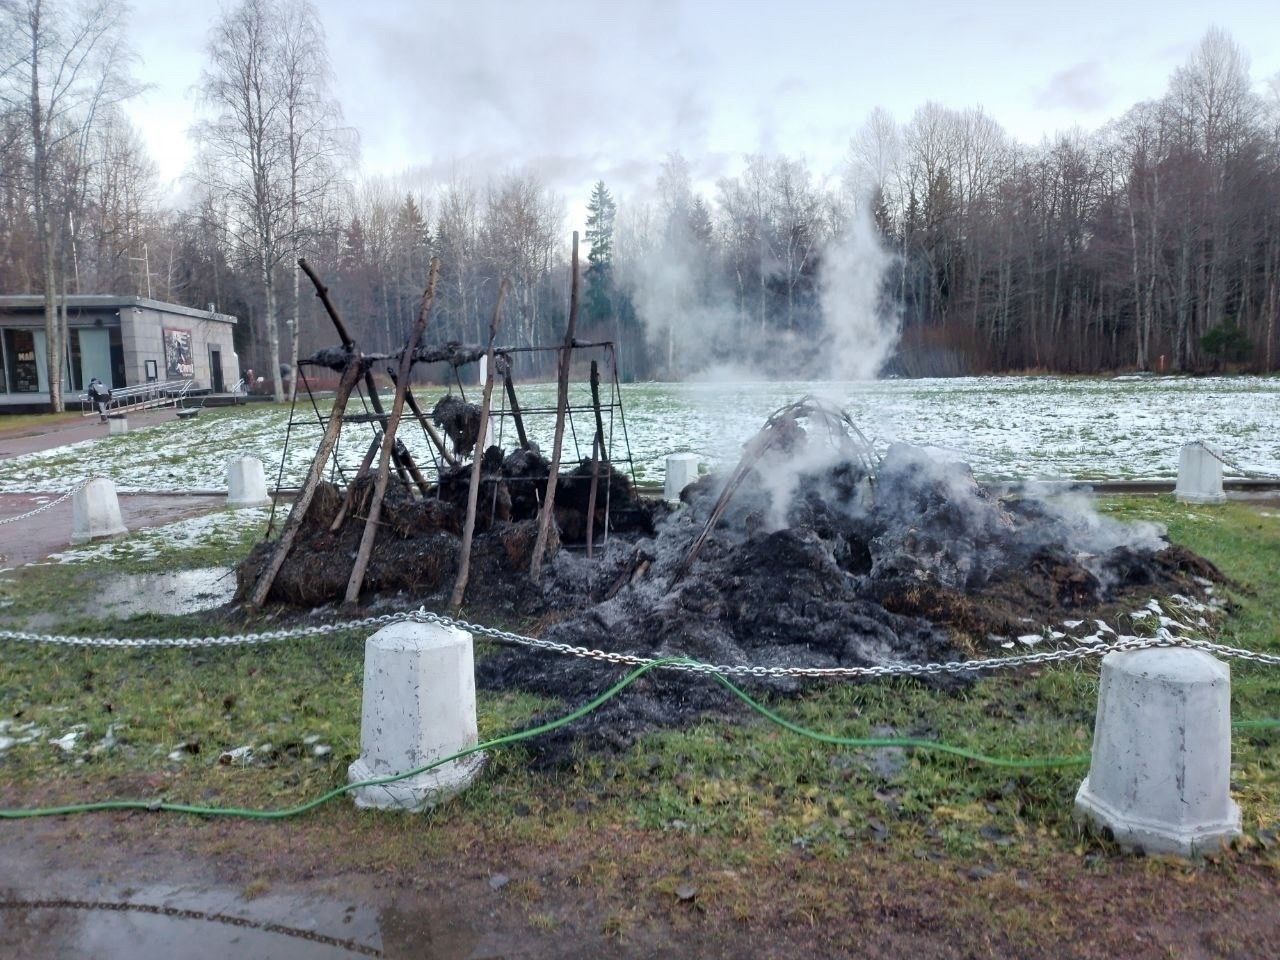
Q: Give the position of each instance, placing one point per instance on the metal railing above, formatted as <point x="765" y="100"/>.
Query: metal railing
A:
<point x="156" y="394"/>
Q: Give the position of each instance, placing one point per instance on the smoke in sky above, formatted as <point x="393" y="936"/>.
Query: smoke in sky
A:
<point x="697" y="322"/>
<point x="859" y="323"/>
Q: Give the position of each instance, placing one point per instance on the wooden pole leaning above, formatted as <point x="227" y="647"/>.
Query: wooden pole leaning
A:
<point x="547" y="515"/>
<point x="473" y="491"/>
<point x="389" y="438"/>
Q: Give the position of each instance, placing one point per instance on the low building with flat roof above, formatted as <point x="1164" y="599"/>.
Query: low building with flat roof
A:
<point x="123" y="341"/>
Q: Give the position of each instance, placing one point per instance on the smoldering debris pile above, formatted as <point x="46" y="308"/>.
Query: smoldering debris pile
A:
<point x="419" y="544"/>
<point x="812" y="552"/>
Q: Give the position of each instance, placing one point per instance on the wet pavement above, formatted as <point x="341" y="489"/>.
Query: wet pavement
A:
<point x="127" y="912"/>
<point x="34" y="538"/>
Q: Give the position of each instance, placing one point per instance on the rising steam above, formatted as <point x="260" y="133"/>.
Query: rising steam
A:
<point x="859" y="322"/>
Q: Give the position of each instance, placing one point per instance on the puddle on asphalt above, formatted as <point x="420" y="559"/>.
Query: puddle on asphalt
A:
<point x="161" y="923"/>
<point x="173" y="593"/>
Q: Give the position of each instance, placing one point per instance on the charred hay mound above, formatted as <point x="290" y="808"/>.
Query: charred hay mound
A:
<point x="821" y="555"/>
<point x="418" y="547"/>
<point x="818" y="562"/>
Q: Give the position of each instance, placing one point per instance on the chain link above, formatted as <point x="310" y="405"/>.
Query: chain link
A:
<point x="1162" y="638"/>
<point x="1231" y="464"/>
<point x="48" y="506"/>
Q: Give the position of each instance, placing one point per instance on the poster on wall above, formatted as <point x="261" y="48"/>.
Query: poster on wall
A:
<point x="177" y="354"/>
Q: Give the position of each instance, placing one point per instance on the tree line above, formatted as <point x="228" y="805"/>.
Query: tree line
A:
<point x="1151" y="244"/>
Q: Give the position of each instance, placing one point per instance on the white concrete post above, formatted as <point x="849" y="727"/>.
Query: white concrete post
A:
<point x="491" y="430"/>
<point x="1199" y="475"/>
<point x="682" y="470"/>
<point x="117" y="424"/>
<point x="419" y="705"/>
<point x="95" y="512"/>
<point x="1161" y="769"/>
<point x="246" y="483"/>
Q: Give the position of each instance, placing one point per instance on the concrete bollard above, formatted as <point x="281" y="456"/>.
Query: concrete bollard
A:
<point x="117" y="425"/>
<point x="1160" y="775"/>
<point x="246" y="483"/>
<point x="419" y="705"/>
<point x="1199" y="475"/>
<point x="95" y="512"/>
<point x="682" y="470"/>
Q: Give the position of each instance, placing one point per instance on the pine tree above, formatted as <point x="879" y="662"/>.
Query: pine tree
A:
<point x="599" y="275"/>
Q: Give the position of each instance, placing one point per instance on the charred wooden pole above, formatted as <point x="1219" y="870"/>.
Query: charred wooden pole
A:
<point x="597" y="453"/>
<point x="422" y="418"/>
<point x="515" y="407"/>
<point x="350" y="374"/>
<point x="473" y="491"/>
<point x="389" y="439"/>
<point x="547" y="515"/>
<point x="405" y="465"/>
<point x="756" y="448"/>
<point x="350" y="496"/>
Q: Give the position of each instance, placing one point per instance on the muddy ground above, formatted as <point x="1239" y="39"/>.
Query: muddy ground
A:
<point x="333" y="889"/>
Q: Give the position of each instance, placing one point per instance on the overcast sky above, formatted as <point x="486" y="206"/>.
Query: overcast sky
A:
<point x="604" y="89"/>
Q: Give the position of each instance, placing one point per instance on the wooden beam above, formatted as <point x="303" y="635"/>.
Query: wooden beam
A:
<point x="597" y="453"/>
<point x="547" y="515"/>
<point x="473" y="491"/>
<point x="300" y="506"/>
<point x="515" y="407"/>
<point x="389" y="438"/>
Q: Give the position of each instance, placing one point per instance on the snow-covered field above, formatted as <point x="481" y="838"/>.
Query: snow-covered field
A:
<point x="1006" y="427"/>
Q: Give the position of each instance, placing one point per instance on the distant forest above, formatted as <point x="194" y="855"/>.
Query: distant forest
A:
<point x="1150" y="244"/>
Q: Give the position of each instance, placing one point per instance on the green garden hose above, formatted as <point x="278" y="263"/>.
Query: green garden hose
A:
<point x="1033" y="763"/>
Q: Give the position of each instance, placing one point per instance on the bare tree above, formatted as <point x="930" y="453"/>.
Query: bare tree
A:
<point x="316" y="145"/>
<point x="63" y="66"/>
<point x="272" y="144"/>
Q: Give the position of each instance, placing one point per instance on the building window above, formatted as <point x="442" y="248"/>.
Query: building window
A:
<point x="74" y="344"/>
<point x="20" y="346"/>
<point x="118" y="377"/>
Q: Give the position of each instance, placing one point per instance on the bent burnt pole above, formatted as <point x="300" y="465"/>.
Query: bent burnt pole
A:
<point x="473" y="490"/>
<point x="389" y="437"/>
<point x="547" y="516"/>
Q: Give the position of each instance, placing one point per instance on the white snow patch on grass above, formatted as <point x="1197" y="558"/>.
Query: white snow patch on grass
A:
<point x="1005" y="427"/>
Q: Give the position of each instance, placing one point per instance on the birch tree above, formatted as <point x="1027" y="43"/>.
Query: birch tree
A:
<point x="271" y="142"/>
<point x="62" y="65"/>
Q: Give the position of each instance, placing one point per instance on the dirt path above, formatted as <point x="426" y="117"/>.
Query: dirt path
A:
<point x="34" y="538"/>
<point x="14" y="443"/>
<point x="606" y="891"/>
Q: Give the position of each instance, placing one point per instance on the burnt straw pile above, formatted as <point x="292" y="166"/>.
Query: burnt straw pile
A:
<point x="813" y="551"/>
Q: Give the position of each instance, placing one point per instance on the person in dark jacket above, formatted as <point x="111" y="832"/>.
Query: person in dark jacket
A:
<point x="100" y="395"/>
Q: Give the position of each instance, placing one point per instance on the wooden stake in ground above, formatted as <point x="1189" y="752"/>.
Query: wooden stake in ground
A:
<point x="389" y="439"/>
<point x="547" y="515"/>
<point x="350" y="374"/>
<point x="349" y="497"/>
<point x="597" y="454"/>
<point x="422" y="418"/>
<point x="473" y="491"/>
<point x="515" y="406"/>
<point x="405" y="465"/>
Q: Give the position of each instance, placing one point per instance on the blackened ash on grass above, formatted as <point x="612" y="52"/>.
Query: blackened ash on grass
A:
<point x="819" y="559"/>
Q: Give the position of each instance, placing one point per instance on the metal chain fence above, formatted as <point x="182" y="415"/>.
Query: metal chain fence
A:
<point x="1163" y="637"/>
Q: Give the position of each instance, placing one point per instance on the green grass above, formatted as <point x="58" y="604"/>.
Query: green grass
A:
<point x="11" y="423"/>
<point x="747" y="787"/>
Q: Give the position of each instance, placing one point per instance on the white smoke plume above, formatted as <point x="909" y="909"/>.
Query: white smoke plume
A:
<point x="860" y="324"/>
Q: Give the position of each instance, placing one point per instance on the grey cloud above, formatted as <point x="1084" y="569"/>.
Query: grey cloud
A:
<point x="1079" y="87"/>
<point x="523" y="84"/>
